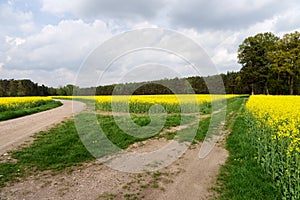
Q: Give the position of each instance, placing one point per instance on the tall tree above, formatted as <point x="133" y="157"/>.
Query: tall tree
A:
<point x="286" y="61"/>
<point x="252" y="54"/>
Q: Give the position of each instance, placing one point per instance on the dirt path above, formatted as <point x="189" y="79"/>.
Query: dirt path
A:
<point x="188" y="178"/>
<point x="16" y="131"/>
<point x="199" y="175"/>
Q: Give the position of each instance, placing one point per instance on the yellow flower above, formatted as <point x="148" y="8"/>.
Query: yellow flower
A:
<point x="281" y="114"/>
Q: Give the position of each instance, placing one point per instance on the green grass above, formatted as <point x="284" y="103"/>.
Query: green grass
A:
<point x="55" y="149"/>
<point x="233" y="105"/>
<point x="5" y="115"/>
<point x="102" y="144"/>
<point x="9" y="172"/>
<point x="188" y="133"/>
<point x="241" y="177"/>
<point x="202" y="129"/>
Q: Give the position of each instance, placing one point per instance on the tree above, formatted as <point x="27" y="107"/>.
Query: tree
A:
<point x="13" y="88"/>
<point x="252" y="54"/>
<point x="4" y="88"/>
<point x="285" y="60"/>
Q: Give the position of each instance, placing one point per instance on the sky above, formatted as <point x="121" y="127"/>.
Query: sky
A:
<point x="50" y="41"/>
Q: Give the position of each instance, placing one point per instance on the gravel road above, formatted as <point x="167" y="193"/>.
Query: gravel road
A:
<point x="16" y="131"/>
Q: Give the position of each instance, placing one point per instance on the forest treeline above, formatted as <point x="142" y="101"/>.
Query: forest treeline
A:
<point x="270" y="65"/>
<point x="23" y="88"/>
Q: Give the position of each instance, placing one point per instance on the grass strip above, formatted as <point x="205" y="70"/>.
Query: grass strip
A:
<point x="28" y="111"/>
<point x="242" y="177"/>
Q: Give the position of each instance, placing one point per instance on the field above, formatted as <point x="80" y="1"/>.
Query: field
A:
<point x="261" y="135"/>
<point x="274" y="123"/>
<point x="12" y="107"/>
<point x="142" y="103"/>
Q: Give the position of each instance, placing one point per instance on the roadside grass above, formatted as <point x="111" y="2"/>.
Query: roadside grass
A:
<point x="241" y="177"/>
<point x="5" y="115"/>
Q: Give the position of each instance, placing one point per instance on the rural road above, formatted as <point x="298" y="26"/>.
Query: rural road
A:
<point x="14" y="132"/>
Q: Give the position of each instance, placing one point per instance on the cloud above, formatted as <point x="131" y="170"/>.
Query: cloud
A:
<point x="147" y="64"/>
<point x="51" y="78"/>
<point x="228" y="14"/>
<point x="55" y="46"/>
<point x="12" y="20"/>
<point x="141" y="48"/>
<point x="129" y="9"/>
<point x="288" y="21"/>
<point x="220" y="46"/>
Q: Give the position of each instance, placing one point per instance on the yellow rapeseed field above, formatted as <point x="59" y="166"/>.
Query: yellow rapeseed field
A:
<point x="142" y="103"/>
<point x="13" y="103"/>
<point x="281" y="113"/>
<point x="154" y="99"/>
<point x="275" y="127"/>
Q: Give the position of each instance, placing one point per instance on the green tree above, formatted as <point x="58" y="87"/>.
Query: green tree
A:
<point x="13" y="88"/>
<point x="253" y="55"/>
<point x="285" y="60"/>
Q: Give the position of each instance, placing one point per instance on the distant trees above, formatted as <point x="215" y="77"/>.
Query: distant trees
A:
<point x="66" y="90"/>
<point x="271" y="64"/>
<point x="24" y="88"/>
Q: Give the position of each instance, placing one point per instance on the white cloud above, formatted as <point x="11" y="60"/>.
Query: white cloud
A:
<point x="62" y="6"/>
<point x="14" y="41"/>
<point x="287" y="21"/>
<point x="154" y="46"/>
<point x="223" y="58"/>
<point x="28" y="27"/>
<point x="55" y="46"/>
<point x="54" y="78"/>
<point x="221" y="47"/>
<point x="12" y="20"/>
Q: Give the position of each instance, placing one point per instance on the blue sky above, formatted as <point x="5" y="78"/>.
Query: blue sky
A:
<point x="47" y="40"/>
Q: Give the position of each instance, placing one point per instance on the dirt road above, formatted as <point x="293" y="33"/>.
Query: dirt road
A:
<point x="188" y="178"/>
<point x="14" y="132"/>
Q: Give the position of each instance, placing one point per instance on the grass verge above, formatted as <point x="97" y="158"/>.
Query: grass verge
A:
<point x="28" y="111"/>
<point x="242" y="177"/>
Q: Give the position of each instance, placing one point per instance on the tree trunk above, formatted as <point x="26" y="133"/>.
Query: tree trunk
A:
<point x="267" y="90"/>
<point x="277" y="86"/>
<point x="291" y="85"/>
<point x="252" y="86"/>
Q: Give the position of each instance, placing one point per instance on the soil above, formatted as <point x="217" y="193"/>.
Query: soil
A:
<point x="187" y="178"/>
